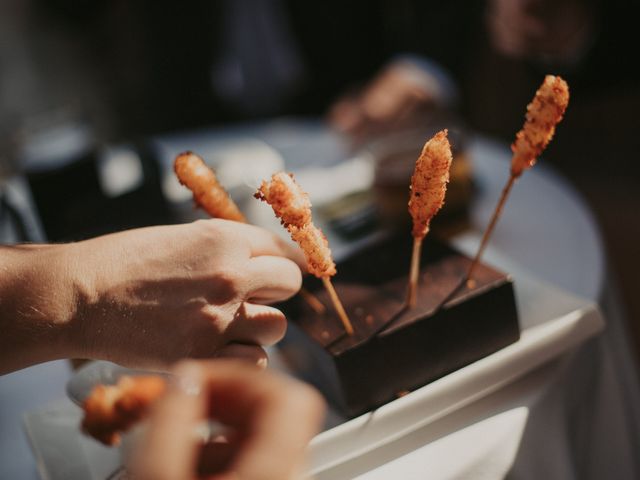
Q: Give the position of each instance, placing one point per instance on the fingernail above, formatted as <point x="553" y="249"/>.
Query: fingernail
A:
<point x="262" y="363"/>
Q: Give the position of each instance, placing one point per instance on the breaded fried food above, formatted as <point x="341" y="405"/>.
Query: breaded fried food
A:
<point x="194" y="174"/>
<point x="292" y="206"/>
<point x="543" y="114"/>
<point x="113" y="409"/>
<point x="429" y="182"/>
<point x="428" y="188"/>
<point x="316" y="250"/>
<point x="290" y="203"/>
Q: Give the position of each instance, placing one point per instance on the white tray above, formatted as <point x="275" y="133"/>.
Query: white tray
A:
<point x="552" y="322"/>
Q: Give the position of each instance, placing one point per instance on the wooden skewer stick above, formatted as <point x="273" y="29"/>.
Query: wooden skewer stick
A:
<point x="338" y="305"/>
<point x="543" y="114"/>
<point x="412" y="293"/>
<point x="489" y="230"/>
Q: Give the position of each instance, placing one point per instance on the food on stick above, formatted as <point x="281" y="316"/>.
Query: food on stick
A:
<point x="428" y="188"/>
<point x="289" y="202"/>
<point x="292" y="206"/>
<point x="316" y="250"/>
<point x="110" y="410"/>
<point x="429" y="182"/>
<point x="193" y="173"/>
<point x="543" y="114"/>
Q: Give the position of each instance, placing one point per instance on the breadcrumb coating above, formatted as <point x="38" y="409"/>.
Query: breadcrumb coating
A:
<point x="316" y="250"/>
<point x="289" y="202"/>
<point x="292" y="206"/>
<point x="193" y="173"/>
<point x="543" y="114"/>
<point x="112" y="409"/>
<point x="429" y="182"/>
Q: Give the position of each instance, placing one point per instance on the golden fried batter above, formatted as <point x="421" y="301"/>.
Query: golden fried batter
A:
<point x="193" y="173"/>
<point x="112" y="409"/>
<point x="429" y="182"/>
<point x="316" y="250"/>
<point x="292" y="206"/>
<point x="543" y="114"/>
<point x="289" y="202"/>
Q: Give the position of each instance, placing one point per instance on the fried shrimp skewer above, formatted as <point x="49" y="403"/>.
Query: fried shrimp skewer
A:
<point x="292" y="206"/>
<point x="193" y="173"/>
<point x="113" y="409"/>
<point x="289" y="202"/>
<point x="543" y="114"/>
<point x="316" y="249"/>
<point x="428" y="188"/>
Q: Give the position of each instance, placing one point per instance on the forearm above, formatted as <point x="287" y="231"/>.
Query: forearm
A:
<point x="38" y="318"/>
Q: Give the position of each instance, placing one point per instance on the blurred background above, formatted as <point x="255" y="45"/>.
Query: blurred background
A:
<point x="80" y="77"/>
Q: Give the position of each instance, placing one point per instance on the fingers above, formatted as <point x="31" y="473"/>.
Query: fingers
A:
<point x="277" y="418"/>
<point x="263" y="242"/>
<point x="257" y="324"/>
<point x="345" y="115"/>
<point x="169" y="447"/>
<point x="271" y="420"/>
<point x="216" y="456"/>
<point x="272" y="279"/>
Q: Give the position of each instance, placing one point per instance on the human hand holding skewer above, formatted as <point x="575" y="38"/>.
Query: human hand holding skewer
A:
<point x="208" y="193"/>
<point x="543" y="114"/>
<point x="428" y="188"/>
<point x="292" y="206"/>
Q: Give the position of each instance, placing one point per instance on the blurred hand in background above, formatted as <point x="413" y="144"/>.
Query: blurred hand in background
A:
<point x="404" y="88"/>
<point x="271" y="420"/>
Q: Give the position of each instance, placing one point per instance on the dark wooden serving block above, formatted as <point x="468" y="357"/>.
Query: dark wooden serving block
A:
<point x="395" y="350"/>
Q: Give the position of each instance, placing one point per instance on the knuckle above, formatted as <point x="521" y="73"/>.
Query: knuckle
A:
<point x="213" y="227"/>
<point x="231" y="279"/>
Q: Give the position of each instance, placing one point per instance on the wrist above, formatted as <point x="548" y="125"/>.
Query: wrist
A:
<point x="38" y="306"/>
<point x="77" y="280"/>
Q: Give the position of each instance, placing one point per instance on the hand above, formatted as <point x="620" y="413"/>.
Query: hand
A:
<point x="149" y="297"/>
<point x="399" y="91"/>
<point x="272" y="418"/>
